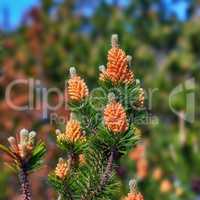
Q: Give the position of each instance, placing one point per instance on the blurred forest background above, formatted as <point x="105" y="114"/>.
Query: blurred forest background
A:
<point x="56" y="35"/>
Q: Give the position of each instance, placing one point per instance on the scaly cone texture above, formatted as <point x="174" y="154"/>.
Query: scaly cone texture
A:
<point x="77" y="89"/>
<point x="72" y="132"/>
<point x="62" y="169"/>
<point x="134" y="194"/>
<point x="115" y="117"/>
<point x="118" y="65"/>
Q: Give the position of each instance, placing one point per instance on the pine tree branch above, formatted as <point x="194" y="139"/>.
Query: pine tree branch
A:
<point x="103" y="180"/>
<point x="25" y="186"/>
<point x="108" y="170"/>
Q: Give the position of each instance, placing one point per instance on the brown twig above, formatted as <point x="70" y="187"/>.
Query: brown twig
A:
<point x="25" y="186"/>
<point x="103" y="181"/>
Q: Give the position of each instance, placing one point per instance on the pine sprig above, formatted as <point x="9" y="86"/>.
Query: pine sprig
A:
<point x="106" y="122"/>
<point x="25" y="157"/>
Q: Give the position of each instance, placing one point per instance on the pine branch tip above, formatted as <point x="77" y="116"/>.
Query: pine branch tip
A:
<point x="102" y="68"/>
<point x="72" y="71"/>
<point x="111" y="97"/>
<point x="114" y="41"/>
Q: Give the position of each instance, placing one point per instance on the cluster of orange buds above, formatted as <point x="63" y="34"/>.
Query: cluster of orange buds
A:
<point x="114" y="115"/>
<point x="166" y="186"/>
<point x="62" y="169"/>
<point x="157" y="174"/>
<point x="138" y="155"/>
<point x="134" y="194"/>
<point x="72" y="132"/>
<point x="118" y="65"/>
<point x="142" y="168"/>
<point x="23" y="145"/>
<point x="137" y="152"/>
<point x="77" y="89"/>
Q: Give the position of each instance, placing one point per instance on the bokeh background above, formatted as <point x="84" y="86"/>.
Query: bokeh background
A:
<point x="41" y="39"/>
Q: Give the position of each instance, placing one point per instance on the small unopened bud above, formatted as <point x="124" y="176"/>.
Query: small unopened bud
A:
<point x="24" y="136"/>
<point x="129" y="59"/>
<point x="111" y="97"/>
<point x="72" y="115"/>
<point x="72" y="71"/>
<point x="133" y="186"/>
<point x="60" y="160"/>
<point x="58" y="131"/>
<point x="32" y="136"/>
<point x="114" y="41"/>
<point x="137" y="81"/>
<point x="12" y="141"/>
<point x="102" y="68"/>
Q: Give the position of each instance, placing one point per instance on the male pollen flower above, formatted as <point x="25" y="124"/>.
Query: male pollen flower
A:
<point x="118" y="65"/>
<point x="72" y="132"/>
<point x="115" y="116"/>
<point x="62" y="169"/>
<point x="77" y="89"/>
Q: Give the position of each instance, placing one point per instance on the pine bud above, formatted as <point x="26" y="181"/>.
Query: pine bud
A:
<point x="129" y="59"/>
<point x="111" y="97"/>
<point x="58" y="132"/>
<point x="117" y="67"/>
<point x="114" y="41"/>
<point x="72" y="132"/>
<point x="62" y="169"/>
<point x="137" y="81"/>
<point x="31" y="139"/>
<point x="102" y="68"/>
<point x="77" y="88"/>
<point x="24" y="134"/>
<point x="103" y="73"/>
<point x="72" y="72"/>
<point x="115" y="117"/>
<point x="13" y="143"/>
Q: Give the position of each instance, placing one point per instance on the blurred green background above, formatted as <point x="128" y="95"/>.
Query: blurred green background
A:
<point x="163" y="38"/>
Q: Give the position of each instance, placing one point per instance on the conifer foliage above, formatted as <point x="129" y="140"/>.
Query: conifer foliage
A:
<point x="101" y="129"/>
<point x="25" y="156"/>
